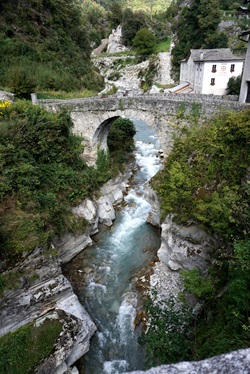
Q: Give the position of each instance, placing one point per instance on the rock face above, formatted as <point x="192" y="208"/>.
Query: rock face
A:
<point x="184" y="247"/>
<point x="125" y="78"/>
<point x="230" y="363"/>
<point x="33" y="301"/>
<point x="154" y="215"/>
<point x="115" y="41"/>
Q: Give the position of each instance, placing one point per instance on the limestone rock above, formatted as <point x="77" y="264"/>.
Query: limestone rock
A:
<point x="55" y="363"/>
<point x="69" y="246"/>
<point x="152" y="198"/>
<point x="106" y="211"/>
<point x="88" y="210"/>
<point x="7" y="96"/>
<point x="116" y="188"/>
<point x="115" y="41"/>
<point x="184" y="247"/>
<point x="35" y="300"/>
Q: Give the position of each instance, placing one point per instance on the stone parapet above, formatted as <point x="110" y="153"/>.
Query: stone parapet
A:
<point x="229" y="363"/>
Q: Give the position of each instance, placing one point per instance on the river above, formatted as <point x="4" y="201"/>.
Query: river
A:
<point x="110" y="269"/>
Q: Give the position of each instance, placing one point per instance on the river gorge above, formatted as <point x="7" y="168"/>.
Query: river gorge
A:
<point x="108" y="271"/>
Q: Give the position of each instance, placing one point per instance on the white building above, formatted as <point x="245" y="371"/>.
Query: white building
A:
<point x="245" y="82"/>
<point x="208" y="70"/>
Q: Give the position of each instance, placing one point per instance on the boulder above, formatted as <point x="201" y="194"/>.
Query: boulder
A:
<point x="106" y="211"/>
<point x="88" y="210"/>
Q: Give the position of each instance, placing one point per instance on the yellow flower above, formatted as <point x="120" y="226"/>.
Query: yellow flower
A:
<point x="3" y="105"/>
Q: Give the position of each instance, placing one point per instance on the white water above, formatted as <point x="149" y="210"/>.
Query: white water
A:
<point x="109" y="296"/>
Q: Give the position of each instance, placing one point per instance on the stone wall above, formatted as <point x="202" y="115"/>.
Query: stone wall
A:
<point x="237" y="362"/>
<point x="6" y="96"/>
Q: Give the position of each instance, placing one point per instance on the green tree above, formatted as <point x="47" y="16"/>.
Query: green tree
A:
<point x="131" y="23"/>
<point x="120" y="141"/>
<point x="233" y="85"/>
<point x="50" y="41"/>
<point x="115" y="15"/>
<point x="217" y="40"/>
<point x="144" y="42"/>
<point x="196" y="28"/>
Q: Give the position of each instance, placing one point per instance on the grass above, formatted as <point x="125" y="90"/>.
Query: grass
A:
<point x="22" y="350"/>
<point x="65" y="95"/>
<point x="163" y="46"/>
<point x="118" y="54"/>
<point x="164" y="86"/>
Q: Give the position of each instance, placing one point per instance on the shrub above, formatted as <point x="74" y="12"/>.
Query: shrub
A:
<point x="21" y="82"/>
<point x="168" y="334"/>
<point x="233" y="85"/>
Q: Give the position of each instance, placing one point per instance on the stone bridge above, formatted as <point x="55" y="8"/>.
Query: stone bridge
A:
<point x="92" y="117"/>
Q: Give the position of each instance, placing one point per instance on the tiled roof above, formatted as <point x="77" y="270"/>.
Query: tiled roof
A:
<point x="220" y="54"/>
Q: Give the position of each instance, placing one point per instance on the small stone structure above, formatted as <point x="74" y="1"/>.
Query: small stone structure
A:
<point x="6" y="96"/>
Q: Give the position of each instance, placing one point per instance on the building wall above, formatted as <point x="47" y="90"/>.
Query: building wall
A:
<point x="187" y="71"/>
<point x="246" y="76"/>
<point x="199" y="74"/>
<point x="220" y="76"/>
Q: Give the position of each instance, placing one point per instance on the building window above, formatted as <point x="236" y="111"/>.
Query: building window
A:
<point x="212" y="83"/>
<point x="214" y="69"/>
<point x="232" y="68"/>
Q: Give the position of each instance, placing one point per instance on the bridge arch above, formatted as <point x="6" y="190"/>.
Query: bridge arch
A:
<point x="94" y="128"/>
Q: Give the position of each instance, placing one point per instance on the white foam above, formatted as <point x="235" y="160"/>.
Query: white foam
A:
<point x="115" y="366"/>
<point x="126" y="316"/>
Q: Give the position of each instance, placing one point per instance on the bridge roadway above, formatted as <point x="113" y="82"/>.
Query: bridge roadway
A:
<point x="92" y="117"/>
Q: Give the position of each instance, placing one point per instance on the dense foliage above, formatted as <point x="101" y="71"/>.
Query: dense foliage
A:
<point x="206" y="180"/>
<point x="120" y="141"/>
<point x="144" y="42"/>
<point x="43" y="175"/>
<point x="168" y="335"/>
<point x="48" y="45"/>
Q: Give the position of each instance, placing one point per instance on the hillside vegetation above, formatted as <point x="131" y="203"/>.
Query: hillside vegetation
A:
<point x="45" y="45"/>
<point x="149" y="6"/>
